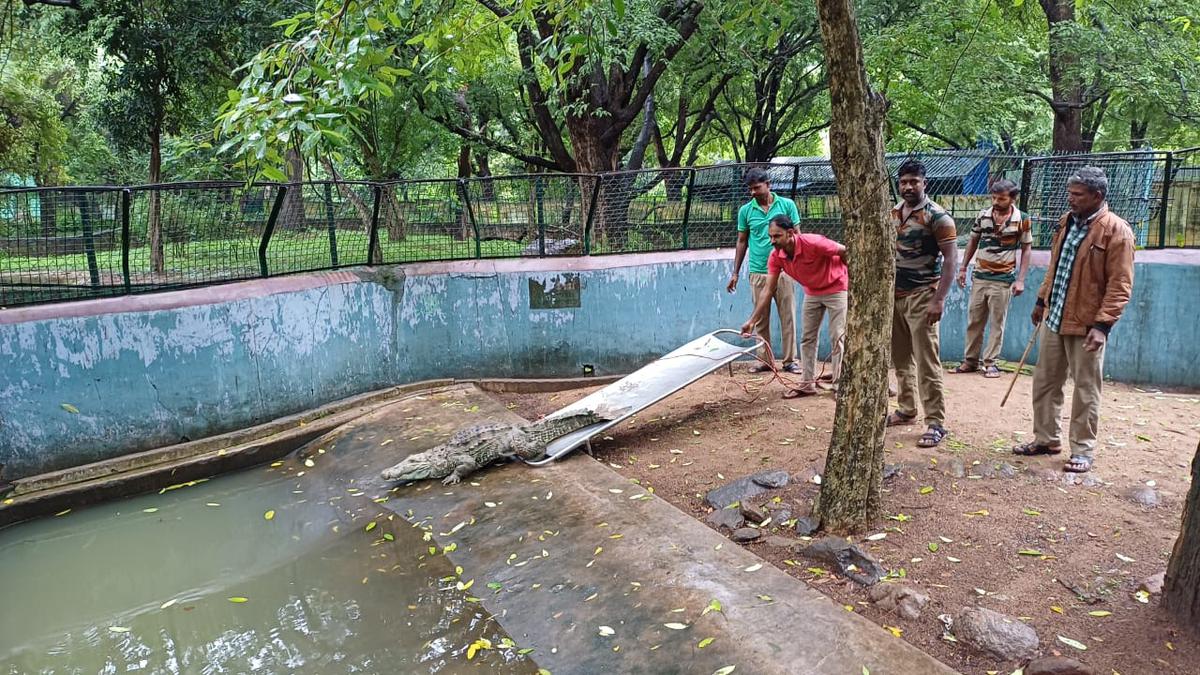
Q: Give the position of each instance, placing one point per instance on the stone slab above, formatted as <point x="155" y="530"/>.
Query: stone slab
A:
<point x="575" y="546"/>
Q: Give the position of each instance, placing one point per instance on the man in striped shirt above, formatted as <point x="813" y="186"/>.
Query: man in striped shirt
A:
<point x="999" y="232"/>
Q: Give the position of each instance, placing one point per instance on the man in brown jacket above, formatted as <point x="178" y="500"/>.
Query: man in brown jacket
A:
<point x="1086" y="287"/>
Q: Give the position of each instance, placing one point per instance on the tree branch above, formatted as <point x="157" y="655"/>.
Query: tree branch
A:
<point x="69" y="4"/>
<point x="933" y="134"/>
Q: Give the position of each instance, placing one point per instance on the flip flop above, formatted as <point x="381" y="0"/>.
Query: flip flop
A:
<point x="800" y="393"/>
<point x="899" y="419"/>
<point x="964" y="368"/>
<point x="991" y="371"/>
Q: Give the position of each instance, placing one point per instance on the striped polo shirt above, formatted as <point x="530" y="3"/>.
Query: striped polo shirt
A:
<point x="996" y="257"/>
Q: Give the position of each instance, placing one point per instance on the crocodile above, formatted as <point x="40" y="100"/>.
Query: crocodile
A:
<point x="475" y="447"/>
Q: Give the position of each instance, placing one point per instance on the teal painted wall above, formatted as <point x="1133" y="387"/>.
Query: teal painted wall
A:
<point x="149" y="378"/>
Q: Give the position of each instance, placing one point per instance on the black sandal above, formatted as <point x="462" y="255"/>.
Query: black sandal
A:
<point x="1078" y="464"/>
<point x="933" y="436"/>
<point x="1031" y="449"/>
<point x="899" y="419"/>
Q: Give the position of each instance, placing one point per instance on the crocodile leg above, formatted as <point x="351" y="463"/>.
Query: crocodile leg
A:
<point x="466" y="466"/>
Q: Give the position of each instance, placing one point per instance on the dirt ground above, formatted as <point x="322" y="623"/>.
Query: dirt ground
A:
<point x="959" y="539"/>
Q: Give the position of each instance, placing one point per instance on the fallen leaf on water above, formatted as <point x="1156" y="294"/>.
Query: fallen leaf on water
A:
<point x="168" y="603"/>
<point x="370" y="526"/>
<point x="1072" y="643"/>
<point x="705" y="642"/>
<point x="238" y="599"/>
<point x="269" y="515"/>
<point x="309" y="463"/>
<point x="118" y="629"/>
<point x="152" y="509"/>
<point x="70" y="408"/>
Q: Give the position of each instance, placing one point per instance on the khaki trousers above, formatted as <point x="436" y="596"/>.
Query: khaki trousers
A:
<point x="988" y="308"/>
<point x="1058" y="357"/>
<point x="785" y="304"/>
<point x="916" y="359"/>
<point x="814" y="309"/>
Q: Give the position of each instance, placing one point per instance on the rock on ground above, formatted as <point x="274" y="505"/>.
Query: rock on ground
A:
<point x="843" y="555"/>
<point x="904" y="600"/>
<point x="806" y="525"/>
<point x="1144" y="495"/>
<point x="745" y="488"/>
<point x="1004" y="637"/>
<point x="752" y="513"/>
<point x="1153" y="584"/>
<point x="1057" y="665"/>
<point x="743" y="535"/>
<point x="729" y="518"/>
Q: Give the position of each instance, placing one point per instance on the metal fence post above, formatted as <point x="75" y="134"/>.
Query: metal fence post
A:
<point x="591" y="216"/>
<point x="1166" y="200"/>
<point x="462" y="191"/>
<point x="373" y="233"/>
<point x="269" y="230"/>
<point x="332" y="224"/>
<point x="1026" y="174"/>
<point x="539" y="192"/>
<point x="687" y="205"/>
<point x="126" y="198"/>
<point x="795" y="181"/>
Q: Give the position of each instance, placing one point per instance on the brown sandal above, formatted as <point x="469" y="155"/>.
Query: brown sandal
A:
<point x="1032" y="449"/>
<point x="899" y="419"/>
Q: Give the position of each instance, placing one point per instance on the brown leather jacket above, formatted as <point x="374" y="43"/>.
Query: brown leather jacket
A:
<point x="1102" y="278"/>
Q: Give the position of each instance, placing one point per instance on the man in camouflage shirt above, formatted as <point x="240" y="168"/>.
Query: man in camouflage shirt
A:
<point x="999" y="232"/>
<point x="925" y="237"/>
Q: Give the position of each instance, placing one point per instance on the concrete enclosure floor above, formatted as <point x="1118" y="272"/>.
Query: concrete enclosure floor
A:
<point x="593" y="572"/>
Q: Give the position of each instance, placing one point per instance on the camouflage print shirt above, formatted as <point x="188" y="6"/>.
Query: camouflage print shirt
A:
<point x="996" y="259"/>
<point x="918" y="258"/>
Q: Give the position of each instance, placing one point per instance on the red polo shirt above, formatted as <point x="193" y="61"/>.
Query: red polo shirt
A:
<point x="815" y="264"/>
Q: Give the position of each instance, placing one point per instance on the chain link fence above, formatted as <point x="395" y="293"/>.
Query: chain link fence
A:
<point x="68" y="243"/>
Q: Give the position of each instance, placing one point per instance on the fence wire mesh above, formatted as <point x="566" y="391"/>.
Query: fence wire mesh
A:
<point x="84" y="242"/>
<point x="424" y="220"/>
<point x="1134" y="191"/>
<point x="191" y="233"/>
<point x="60" y="244"/>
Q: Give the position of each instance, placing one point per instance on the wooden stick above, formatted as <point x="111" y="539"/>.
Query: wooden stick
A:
<point x="1028" y="346"/>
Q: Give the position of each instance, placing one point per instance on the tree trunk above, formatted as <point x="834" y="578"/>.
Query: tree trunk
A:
<point x="291" y="216"/>
<point x="1065" y="88"/>
<point x="157" y="263"/>
<point x="1137" y="133"/>
<point x="48" y="209"/>
<point x="850" y="490"/>
<point x="592" y="155"/>
<point x="1181" y="592"/>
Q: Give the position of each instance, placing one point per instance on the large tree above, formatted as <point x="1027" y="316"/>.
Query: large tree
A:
<point x="1181" y="593"/>
<point x="850" y="491"/>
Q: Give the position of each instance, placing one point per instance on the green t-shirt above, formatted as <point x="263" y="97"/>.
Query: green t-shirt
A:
<point x="753" y="219"/>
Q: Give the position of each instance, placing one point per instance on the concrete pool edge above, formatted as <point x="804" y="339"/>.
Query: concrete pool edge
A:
<point x="49" y="493"/>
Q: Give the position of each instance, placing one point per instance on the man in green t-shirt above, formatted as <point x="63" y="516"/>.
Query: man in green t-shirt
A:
<point x="752" y="223"/>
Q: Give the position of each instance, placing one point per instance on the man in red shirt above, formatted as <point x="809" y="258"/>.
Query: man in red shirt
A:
<point x="818" y="264"/>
